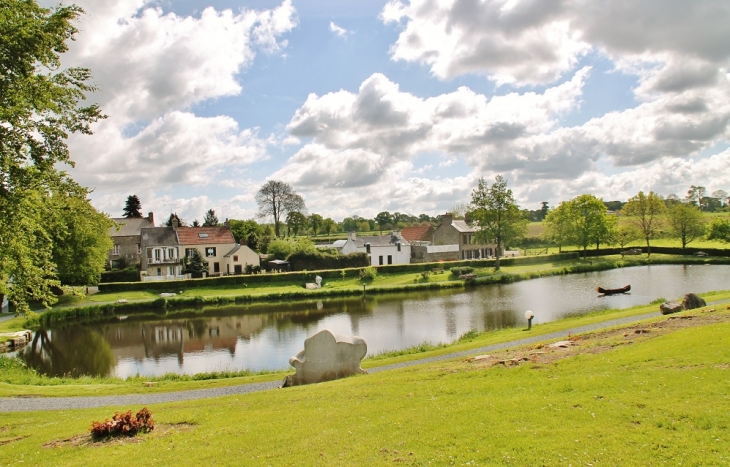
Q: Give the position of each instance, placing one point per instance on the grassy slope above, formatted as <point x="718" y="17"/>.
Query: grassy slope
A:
<point x="655" y="401"/>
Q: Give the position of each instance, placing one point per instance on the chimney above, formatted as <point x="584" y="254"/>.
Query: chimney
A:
<point x="175" y="223"/>
<point x="351" y="235"/>
<point x="447" y="219"/>
<point x="227" y="224"/>
<point x="151" y="218"/>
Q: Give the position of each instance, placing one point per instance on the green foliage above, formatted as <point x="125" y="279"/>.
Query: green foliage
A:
<point x="39" y="108"/>
<point x="295" y="222"/>
<point x="368" y="274"/>
<point x="686" y="222"/>
<point x="80" y="239"/>
<point x="249" y="233"/>
<point x="497" y="214"/>
<point x="210" y="220"/>
<point x="132" y="207"/>
<point x="645" y="212"/>
<point x="719" y="230"/>
<point x="461" y="270"/>
<point x="315" y="222"/>
<point x="280" y="249"/>
<point x="126" y="275"/>
<point x="315" y="260"/>
<point x="588" y="221"/>
<point x="195" y="264"/>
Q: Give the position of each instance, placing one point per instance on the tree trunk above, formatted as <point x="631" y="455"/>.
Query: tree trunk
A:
<point x="648" y="248"/>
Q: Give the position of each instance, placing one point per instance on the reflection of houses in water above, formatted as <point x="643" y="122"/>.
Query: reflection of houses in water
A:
<point x="158" y="339"/>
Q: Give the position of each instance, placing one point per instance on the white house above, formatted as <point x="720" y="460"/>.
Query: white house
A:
<point x="382" y="249"/>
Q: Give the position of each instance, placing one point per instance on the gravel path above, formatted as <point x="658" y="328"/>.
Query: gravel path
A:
<point x="25" y="404"/>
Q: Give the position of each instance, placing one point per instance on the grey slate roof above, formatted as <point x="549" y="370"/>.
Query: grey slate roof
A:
<point x="380" y="240"/>
<point x="463" y="227"/>
<point x="234" y="250"/>
<point x="129" y="227"/>
<point x="159" y="236"/>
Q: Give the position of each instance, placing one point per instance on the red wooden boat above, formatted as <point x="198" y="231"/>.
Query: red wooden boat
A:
<point x="623" y="289"/>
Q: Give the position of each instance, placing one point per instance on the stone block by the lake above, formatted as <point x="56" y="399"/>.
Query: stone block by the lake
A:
<point x="692" y="301"/>
<point x="327" y="356"/>
<point x="667" y="308"/>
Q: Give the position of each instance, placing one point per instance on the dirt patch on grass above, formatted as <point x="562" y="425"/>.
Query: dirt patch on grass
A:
<point x="161" y="429"/>
<point x="600" y="341"/>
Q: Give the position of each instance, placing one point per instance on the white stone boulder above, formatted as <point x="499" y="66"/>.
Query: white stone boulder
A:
<point x="327" y="356"/>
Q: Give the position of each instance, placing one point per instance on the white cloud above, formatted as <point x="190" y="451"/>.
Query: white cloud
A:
<point x="339" y="30"/>
<point x="151" y="67"/>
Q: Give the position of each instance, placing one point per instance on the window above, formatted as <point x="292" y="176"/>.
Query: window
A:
<point x="139" y="249"/>
<point x="189" y="252"/>
<point x="367" y="248"/>
<point x="159" y="271"/>
<point x="210" y="251"/>
<point x="235" y="258"/>
<point x="216" y="267"/>
<point x="171" y="270"/>
<point x="115" y="250"/>
<point x="390" y="259"/>
<point x="398" y="246"/>
<point x="171" y="253"/>
<point x="380" y="260"/>
<point x="202" y="235"/>
<point x="158" y="254"/>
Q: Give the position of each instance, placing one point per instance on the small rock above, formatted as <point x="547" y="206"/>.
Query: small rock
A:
<point x="561" y="344"/>
<point x="667" y="308"/>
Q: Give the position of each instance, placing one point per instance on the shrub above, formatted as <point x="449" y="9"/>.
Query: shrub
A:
<point x="461" y="270"/>
<point x="124" y="424"/>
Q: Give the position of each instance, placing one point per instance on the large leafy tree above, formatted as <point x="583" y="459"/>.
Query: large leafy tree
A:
<point x="588" y="220"/>
<point x="210" y="220"/>
<point x="497" y="214"/>
<point x="248" y="233"/>
<point x="686" y="222"/>
<point x="40" y="105"/>
<point x="315" y="222"/>
<point x="645" y="212"/>
<point x="275" y="199"/>
<point x="295" y="221"/>
<point x="80" y="239"/>
<point x="384" y="220"/>
<point x="719" y="230"/>
<point x="557" y="226"/>
<point x="132" y="207"/>
<point x="329" y="225"/>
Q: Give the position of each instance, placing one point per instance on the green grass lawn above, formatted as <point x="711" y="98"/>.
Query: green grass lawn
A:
<point x="654" y="401"/>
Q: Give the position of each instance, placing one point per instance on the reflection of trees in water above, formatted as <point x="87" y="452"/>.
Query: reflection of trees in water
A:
<point x="69" y="352"/>
<point x="500" y="319"/>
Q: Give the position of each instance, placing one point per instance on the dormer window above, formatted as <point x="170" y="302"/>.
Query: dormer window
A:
<point x="367" y="248"/>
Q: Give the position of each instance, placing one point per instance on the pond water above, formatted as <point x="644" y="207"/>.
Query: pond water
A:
<point x="264" y="336"/>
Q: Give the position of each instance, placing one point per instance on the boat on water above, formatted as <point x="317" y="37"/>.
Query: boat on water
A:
<point x="623" y="289"/>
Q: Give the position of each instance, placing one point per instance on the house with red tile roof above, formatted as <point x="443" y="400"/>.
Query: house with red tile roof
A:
<point x="418" y="233"/>
<point x="217" y="246"/>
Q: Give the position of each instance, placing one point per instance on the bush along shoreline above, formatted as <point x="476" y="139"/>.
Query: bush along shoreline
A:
<point x="162" y="306"/>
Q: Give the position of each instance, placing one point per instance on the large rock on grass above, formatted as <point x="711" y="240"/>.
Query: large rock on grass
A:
<point x="667" y="308"/>
<point x="692" y="301"/>
<point x="327" y="356"/>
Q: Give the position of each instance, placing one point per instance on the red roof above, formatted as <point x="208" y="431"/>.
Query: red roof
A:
<point x="204" y="235"/>
<point x="417" y="233"/>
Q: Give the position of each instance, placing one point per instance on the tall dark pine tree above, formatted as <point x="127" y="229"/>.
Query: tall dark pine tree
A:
<point x="133" y="207"/>
<point x="211" y="220"/>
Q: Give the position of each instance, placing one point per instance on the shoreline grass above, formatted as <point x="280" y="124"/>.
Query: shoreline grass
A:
<point x="655" y="400"/>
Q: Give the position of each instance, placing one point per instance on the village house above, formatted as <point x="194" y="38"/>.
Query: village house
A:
<point x="218" y="247"/>
<point x="161" y="254"/>
<point x="458" y="232"/>
<point x="127" y="249"/>
<point x="382" y="249"/>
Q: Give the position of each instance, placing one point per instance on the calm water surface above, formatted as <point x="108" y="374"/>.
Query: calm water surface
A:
<point x="258" y="337"/>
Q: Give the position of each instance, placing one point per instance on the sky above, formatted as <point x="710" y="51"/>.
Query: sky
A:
<point x="365" y="106"/>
